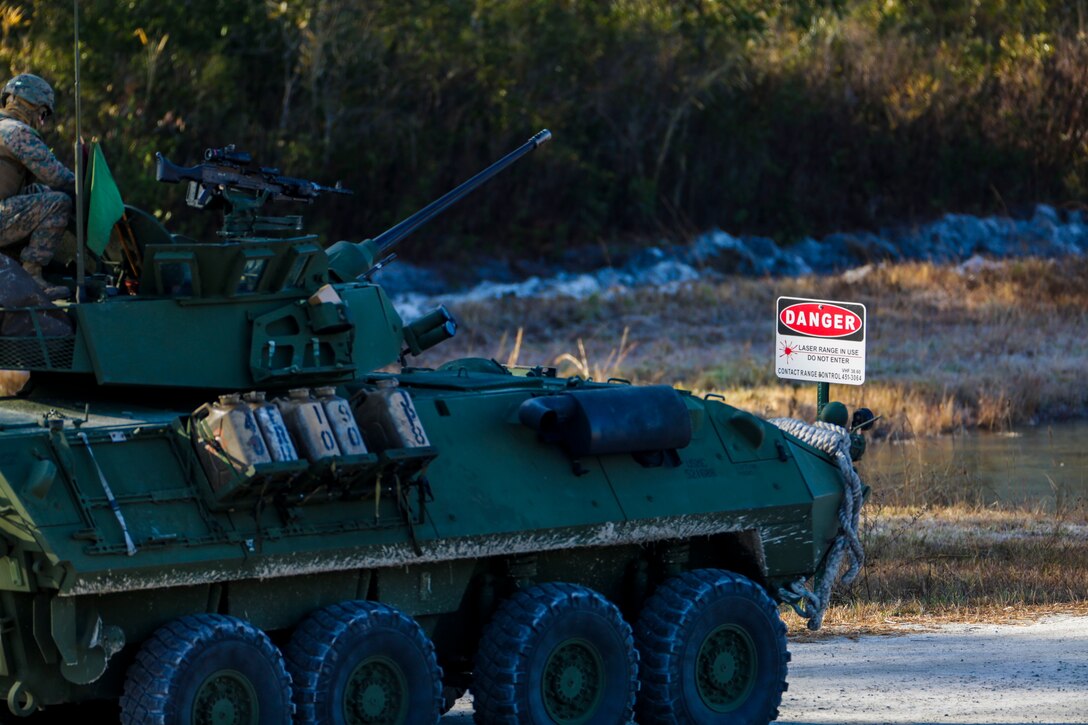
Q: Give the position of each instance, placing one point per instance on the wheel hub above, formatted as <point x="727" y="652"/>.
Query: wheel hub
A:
<point x="374" y="700"/>
<point x="573" y="682"/>
<point x="725" y="668"/>
<point x="226" y="697"/>
<point x="376" y="693"/>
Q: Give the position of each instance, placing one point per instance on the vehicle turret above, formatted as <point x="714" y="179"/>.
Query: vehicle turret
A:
<point x="262" y="305"/>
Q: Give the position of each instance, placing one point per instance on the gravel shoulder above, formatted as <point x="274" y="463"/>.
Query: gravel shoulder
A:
<point x="966" y="674"/>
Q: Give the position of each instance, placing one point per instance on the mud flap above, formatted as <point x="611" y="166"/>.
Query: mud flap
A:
<point x="85" y="644"/>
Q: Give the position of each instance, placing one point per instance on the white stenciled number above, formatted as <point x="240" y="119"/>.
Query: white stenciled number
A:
<point x="413" y="420"/>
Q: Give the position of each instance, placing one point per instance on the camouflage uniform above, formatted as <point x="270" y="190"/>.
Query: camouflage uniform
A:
<point x="29" y="209"/>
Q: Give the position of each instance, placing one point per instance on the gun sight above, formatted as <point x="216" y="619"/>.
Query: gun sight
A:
<point x="228" y="155"/>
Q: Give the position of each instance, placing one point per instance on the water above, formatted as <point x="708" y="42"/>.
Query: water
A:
<point x="1044" y="467"/>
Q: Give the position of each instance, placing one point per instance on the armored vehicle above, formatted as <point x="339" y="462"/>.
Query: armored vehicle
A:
<point x="227" y="498"/>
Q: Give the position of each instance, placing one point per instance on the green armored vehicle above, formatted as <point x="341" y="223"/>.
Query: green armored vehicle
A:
<point x="215" y="506"/>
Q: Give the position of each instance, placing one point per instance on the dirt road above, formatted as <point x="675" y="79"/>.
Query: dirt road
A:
<point x="955" y="674"/>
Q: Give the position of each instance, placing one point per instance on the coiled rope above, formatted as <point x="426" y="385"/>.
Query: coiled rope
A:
<point x="835" y="441"/>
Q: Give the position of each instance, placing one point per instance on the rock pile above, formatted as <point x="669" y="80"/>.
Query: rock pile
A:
<point x="952" y="239"/>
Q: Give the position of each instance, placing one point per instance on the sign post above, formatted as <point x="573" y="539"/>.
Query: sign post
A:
<point x="820" y="341"/>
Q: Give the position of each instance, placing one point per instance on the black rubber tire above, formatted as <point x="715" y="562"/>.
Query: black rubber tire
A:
<point x="710" y="608"/>
<point x="362" y="639"/>
<point x="180" y="658"/>
<point x="521" y="642"/>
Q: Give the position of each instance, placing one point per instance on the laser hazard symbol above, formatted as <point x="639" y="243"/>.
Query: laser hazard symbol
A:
<point x="820" y="340"/>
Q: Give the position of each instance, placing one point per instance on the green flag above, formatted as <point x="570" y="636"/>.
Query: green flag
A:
<point x="105" y="203"/>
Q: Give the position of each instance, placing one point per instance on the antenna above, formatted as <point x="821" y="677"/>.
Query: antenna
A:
<point x="80" y="234"/>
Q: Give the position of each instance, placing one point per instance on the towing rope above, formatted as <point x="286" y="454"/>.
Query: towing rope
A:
<point x="835" y="441"/>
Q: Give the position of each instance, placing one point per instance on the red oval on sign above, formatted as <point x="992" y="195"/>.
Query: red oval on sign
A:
<point x="820" y="320"/>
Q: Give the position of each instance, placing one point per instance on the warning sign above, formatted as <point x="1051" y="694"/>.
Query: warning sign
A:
<point x="821" y="341"/>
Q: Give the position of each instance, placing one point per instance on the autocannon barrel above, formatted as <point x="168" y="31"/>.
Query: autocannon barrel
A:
<point x="348" y="260"/>
<point x="400" y="230"/>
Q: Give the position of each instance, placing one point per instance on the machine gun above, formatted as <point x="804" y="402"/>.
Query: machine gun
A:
<point x="229" y="179"/>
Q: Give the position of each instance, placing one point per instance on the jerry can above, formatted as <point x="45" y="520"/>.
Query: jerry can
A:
<point x="340" y="418"/>
<point x="388" y="417"/>
<point x="308" y="423"/>
<point x="272" y="427"/>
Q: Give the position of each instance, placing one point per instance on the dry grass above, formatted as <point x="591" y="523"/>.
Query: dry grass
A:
<point x="946" y="350"/>
<point x="856" y="620"/>
<point x="962" y="564"/>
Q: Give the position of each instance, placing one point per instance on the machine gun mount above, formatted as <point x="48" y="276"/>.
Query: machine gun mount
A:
<point x="231" y="180"/>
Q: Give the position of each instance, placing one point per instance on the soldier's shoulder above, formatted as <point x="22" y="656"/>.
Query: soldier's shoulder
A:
<point x="15" y="132"/>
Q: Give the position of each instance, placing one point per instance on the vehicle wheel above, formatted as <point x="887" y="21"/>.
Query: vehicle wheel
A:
<point x="713" y="650"/>
<point x="364" y="662"/>
<point x="207" y="669"/>
<point x="556" y="653"/>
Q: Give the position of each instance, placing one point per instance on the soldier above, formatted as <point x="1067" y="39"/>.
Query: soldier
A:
<point x="36" y="190"/>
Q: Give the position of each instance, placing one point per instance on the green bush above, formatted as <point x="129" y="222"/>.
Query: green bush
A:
<point x="786" y="118"/>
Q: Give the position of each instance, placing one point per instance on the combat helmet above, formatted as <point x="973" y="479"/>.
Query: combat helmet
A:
<point x="835" y="413"/>
<point x="31" y="88"/>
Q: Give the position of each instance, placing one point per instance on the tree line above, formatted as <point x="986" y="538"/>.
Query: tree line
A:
<point x="785" y="118"/>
